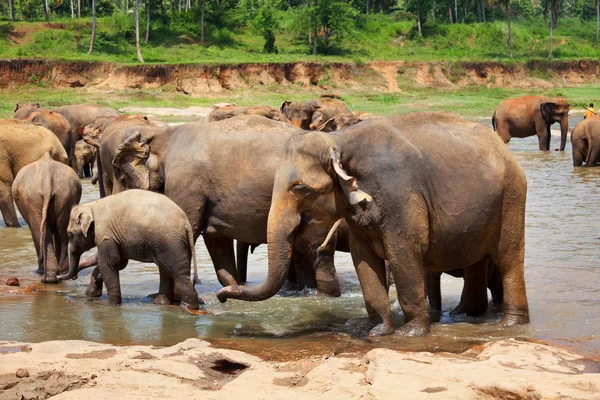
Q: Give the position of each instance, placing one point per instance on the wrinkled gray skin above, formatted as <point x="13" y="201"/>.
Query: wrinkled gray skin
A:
<point x="230" y="111"/>
<point x="585" y="140"/>
<point x="81" y="115"/>
<point x="336" y="123"/>
<point x="124" y="227"/>
<point x="474" y="300"/>
<point x="85" y="157"/>
<point x="532" y="115"/>
<point x="45" y="191"/>
<point x="22" y="143"/>
<point x="312" y="113"/>
<point x="394" y="181"/>
<point x="221" y="175"/>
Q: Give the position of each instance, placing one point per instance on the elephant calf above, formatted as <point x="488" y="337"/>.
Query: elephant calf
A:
<point x="45" y="191"/>
<point x="138" y="225"/>
<point x="585" y="140"/>
<point x="85" y="156"/>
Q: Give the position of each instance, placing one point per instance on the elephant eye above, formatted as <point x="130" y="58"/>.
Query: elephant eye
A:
<point x="301" y="188"/>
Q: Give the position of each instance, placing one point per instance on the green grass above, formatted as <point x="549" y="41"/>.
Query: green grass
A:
<point x="470" y="102"/>
<point x="377" y="37"/>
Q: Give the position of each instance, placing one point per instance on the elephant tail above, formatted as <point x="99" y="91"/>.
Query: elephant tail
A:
<point x="494" y="121"/>
<point x="190" y="234"/>
<point x="44" y="226"/>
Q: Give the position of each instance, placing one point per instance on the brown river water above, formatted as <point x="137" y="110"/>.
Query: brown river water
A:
<point x="562" y="276"/>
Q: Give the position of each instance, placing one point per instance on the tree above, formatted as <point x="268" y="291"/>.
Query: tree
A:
<point x="597" y="21"/>
<point x="552" y="7"/>
<point x="137" y="31"/>
<point x="11" y="8"/>
<point x="202" y="11"/>
<point x="507" y="9"/>
<point x="46" y="9"/>
<point x="148" y="9"/>
<point x="266" y="23"/>
<point x="93" y="39"/>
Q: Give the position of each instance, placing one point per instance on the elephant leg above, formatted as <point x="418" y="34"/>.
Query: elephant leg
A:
<point x="494" y="283"/>
<point x="594" y="156"/>
<point x="166" y="290"/>
<point x="109" y="262"/>
<point x="433" y="289"/>
<point x="94" y="289"/>
<point x="503" y="131"/>
<point x="543" y="134"/>
<point x="186" y="291"/>
<point x="242" y="260"/>
<point x="578" y="155"/>
<point x="473" y="300"/>
<point x="51" y="261"/>
<point x="34" y="222"/>
<point x="61" y="243"/>
<point x="370" y="269"/>
<point x="325" y="274"/>
<point x="7" y="207"/>
<point x="305" y="275"/>
<point x="223" y="258"/>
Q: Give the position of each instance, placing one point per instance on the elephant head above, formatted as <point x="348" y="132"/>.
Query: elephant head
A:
<point x="38" y="118"/>
<point x="299" y="114"/>
<point x="23" y="110"/>
<point x="81" y="237"/>
<point x="334" y="124"/>
<point x="310" y="185"/>
<point x="136" y="166"/>
<point x="553" y="111"/>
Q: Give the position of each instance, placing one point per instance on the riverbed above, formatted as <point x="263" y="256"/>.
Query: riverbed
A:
<point x="561" y="266"/>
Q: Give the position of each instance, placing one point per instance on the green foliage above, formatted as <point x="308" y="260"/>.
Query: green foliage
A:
<point x="266" y="22"/>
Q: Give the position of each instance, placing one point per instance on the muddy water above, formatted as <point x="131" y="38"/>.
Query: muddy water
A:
<point x="562" y="275"/>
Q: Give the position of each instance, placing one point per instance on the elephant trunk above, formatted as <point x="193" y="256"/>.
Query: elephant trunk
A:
<point x="74" y="258"/>
<point x="564" y="129"/>
<point x="283" y="220"/>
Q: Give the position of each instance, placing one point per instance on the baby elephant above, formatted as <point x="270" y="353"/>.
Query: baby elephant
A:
<point x="585" y="140"/>
<point x="138" y="225"/>
<point x="45" y="191"/>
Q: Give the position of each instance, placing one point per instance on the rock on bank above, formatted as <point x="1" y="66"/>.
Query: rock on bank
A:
<point x="503" y="369"/>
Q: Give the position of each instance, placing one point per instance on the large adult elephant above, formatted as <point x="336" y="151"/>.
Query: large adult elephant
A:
<point x="423" y="190"/>
<point x="221" y="175"/>
<point x="45" y="191"/>
<point x="59" y="125"/>
<point x="22" y="143"/>
<point x="532" y="115"/>
<point x="230" y="111"/>
<point x="585" y="140"/>
<point x="106" y="135"/>
<point x="312" y="114"/>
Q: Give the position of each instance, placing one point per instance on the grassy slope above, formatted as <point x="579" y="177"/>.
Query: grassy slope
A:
<point x="380" y="38"/>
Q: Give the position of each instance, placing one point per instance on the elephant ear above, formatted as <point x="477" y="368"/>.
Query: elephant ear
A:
<point x="284" y="105"/>
<point x="84" y="220"/>
<point x="548" y="110"/>
<point x="348" y="183"/>
<point x="130" y="162"/>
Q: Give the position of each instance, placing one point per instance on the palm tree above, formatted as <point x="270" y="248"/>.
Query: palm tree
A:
<point x="93" y="27"/>
<point x="137" y="31"/>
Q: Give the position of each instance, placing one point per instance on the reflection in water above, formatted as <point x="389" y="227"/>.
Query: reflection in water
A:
<point x="562" y="275"/>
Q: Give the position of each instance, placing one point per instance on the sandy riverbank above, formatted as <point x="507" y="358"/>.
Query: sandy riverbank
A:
<point x="504" y="369"/>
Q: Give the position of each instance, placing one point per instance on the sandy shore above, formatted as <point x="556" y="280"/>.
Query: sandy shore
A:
<point x="505" y="369"/>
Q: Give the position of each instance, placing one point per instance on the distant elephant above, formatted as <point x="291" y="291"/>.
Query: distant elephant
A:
<point x="394" y="182"/>
<point x="22" y="143"/>
<point x="136" y="225"/>
<point x="474" y="299"/>
<point x="106" y="135"/>
<point x="532" y="115"/>
<point x="230" y="111"/>
<point x="585" y="140"/>
<point x="336" y="123"/>
<point x="85" y="157"/>
<point x="45" y="191"/>
<point x="59" y="126"/>
<point x="221" y="175"/>
<point x="312" y="113"/>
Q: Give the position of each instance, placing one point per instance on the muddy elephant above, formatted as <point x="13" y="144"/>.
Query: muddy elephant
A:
<point x="230" y="111"/>
<point x="474" y="299"/>
<point x="311" y="114"/>
<point x="45" y="192"/>
<point x="106" y="135"/>
<point x="532" y="115"/>
<point x="393" y="180"/>
<point x="124" y="227"/>
<point x="59" y="126"/>
<point x="22" y="143"/>
<point x="85" y="157"/>
<point x="24" y="110"/>
<point x="585" y="140"/>
<point x="221" y="175"/>
<point x="336" y="123"/>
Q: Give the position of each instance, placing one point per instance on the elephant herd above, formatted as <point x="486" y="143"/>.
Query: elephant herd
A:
<point x="409" y="196"/>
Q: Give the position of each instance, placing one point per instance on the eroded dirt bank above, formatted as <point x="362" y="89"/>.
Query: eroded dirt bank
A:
<point x="504" y="369"/>
<point x="207" y="80"/>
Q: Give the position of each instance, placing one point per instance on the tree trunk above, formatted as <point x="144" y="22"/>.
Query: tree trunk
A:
<point x="433" y="11"/>
<point x="11" y="10"/>
<point x="137" y="31"/>
<point x="202" y="21"/>
<point x="450" y="12"/>
<point x="93" y="27"/>
<point x="419" y="17"/>
<point x="510" y="53"/>
<point x="551" y="23"/>
<point x="79" y="8"/>
<point x="21" y="9"/>
<point x="72" y="10"/>
<point x="455" y="12"/>
<point x="147" y="38"/>
<point x="483" y="9"/>
<point x="46" y="9"/>
<point x="597" y="22"/>
<point x="367" y="7"/>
